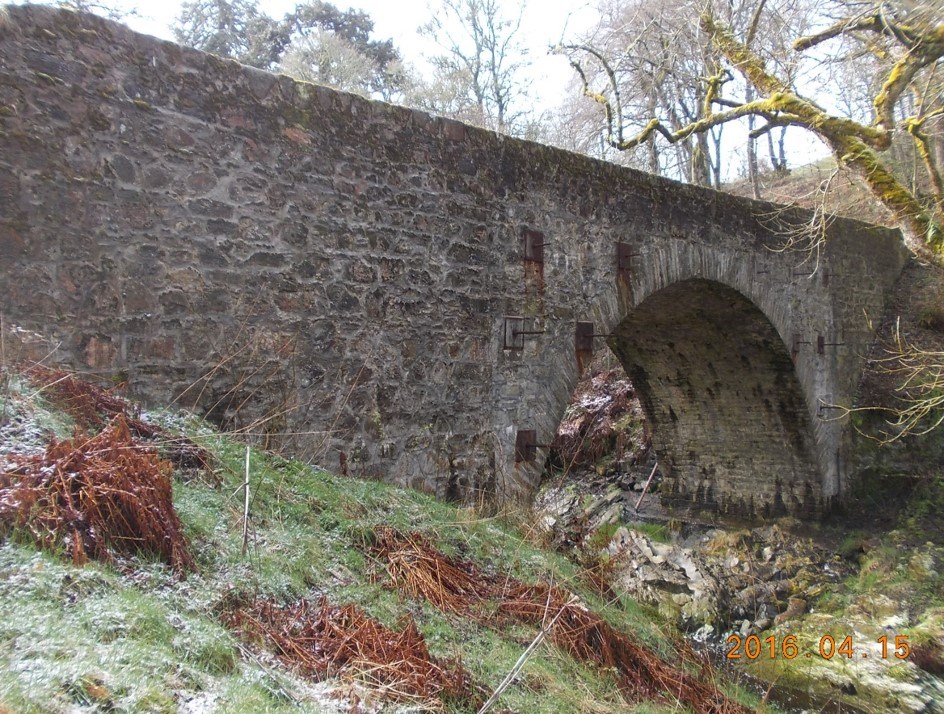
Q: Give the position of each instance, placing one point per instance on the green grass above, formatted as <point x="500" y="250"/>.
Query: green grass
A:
<point x="658" y="532"/>
<point x="135" y="638"/>
<point x="86" y="636"/>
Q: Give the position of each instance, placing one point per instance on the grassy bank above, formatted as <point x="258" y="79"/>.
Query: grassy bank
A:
<point x="138" y="635"/>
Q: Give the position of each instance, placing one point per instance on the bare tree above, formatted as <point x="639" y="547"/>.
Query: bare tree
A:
<point x="913" y="41"/>
<point x="651" y="58"/>
<point x="575" y="125"/>
<point x="477" y="77"/>
<point x="231" y="28"/>
<point x="325" y="58"/>
<point x="336" y="47"/>
<point x="652" y="55"/>
<point x="316" y="42"/>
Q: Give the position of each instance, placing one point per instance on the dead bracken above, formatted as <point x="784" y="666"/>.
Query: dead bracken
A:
<point x="587" y="637"/>
<point x="92" y="407"/>
<point x="320" y="640"/>
<point x="419" y="569"/>
<point x="96" y="497"/>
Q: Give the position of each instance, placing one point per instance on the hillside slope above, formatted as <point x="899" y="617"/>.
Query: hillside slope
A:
<point x="348" y="596"/>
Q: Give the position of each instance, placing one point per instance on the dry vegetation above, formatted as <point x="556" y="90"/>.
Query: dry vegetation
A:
<point x="92" y="407"/>
<point x="303" y="605"/>
<point x="104" y="497"/>
<point x="419" y="569"/>
<point x="322" y="640"/>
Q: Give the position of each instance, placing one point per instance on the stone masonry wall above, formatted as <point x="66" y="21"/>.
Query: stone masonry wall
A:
<point x="353" y="279"/>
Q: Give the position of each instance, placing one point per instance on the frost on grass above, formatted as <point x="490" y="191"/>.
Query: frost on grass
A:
<point x="27" y="423"/>
<point x="86" y="640"/>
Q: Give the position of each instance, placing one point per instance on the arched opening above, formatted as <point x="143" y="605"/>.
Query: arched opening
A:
<point x="729" y="422"/>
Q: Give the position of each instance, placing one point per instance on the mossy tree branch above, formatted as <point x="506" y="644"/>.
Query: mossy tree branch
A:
<point x="853" y="143"/>
<point x="915" y="127"/>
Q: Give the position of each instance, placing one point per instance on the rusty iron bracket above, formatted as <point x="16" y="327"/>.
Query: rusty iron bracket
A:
<point x="532" y="245"/>
<point x="526" y="446"/>
<point x="515" y="332"/>
<point x="795" y="347"/>
<point x="822" y="344"/>
<point x="584" y="336"/>
<point x="624" y="261"/>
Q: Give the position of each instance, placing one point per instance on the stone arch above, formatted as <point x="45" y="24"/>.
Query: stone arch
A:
<point x="730" y="422"/>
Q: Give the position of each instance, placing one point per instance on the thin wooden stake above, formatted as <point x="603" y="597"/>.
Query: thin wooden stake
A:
<point x="4" y="377"/>
<point x="646" y="487"/>
<point x="246" y="505"/>
<point x="525" y="656"/>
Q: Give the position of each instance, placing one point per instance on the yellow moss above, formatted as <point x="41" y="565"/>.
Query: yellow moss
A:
<point x="889" y="191"/>
<point x="892" y="88"/>
<point x="913" y="126"/>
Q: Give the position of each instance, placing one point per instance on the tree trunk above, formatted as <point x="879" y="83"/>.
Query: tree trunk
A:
<point x="919" y="227"/>
<point x="752" y="169"/>
<point x="716" y="162"/>
<point x="701" y="169"/>
<point x="782" y="151"/>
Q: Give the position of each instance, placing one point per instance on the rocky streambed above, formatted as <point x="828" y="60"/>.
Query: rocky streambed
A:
<point x="707" y="580"/>
<point x="770" y="601"/>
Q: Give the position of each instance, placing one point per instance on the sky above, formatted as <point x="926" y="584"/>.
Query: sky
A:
<point x="544" y="23"/>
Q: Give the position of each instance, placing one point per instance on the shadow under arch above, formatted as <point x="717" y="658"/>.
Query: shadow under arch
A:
<point x="729" y="420"/>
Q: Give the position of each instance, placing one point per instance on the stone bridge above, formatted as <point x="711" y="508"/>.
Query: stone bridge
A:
<point x="401" y="296"/>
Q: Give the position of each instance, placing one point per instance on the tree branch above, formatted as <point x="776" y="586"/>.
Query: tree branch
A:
<point x="755" y="23"/>
<point x="715" y="84"/>
<point x="850" y="141"/>
<point x="781" y="97"/>
<point x="872" y="23"/>
<point x="898" y="80"/>
<point x="914" y="126"/>
<point x="759" y="107"/>
<point x="598" y="97"/>
<point x="773" y="122"/>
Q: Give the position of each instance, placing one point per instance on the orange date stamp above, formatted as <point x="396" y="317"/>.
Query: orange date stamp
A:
<point x="788" y="647"/>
